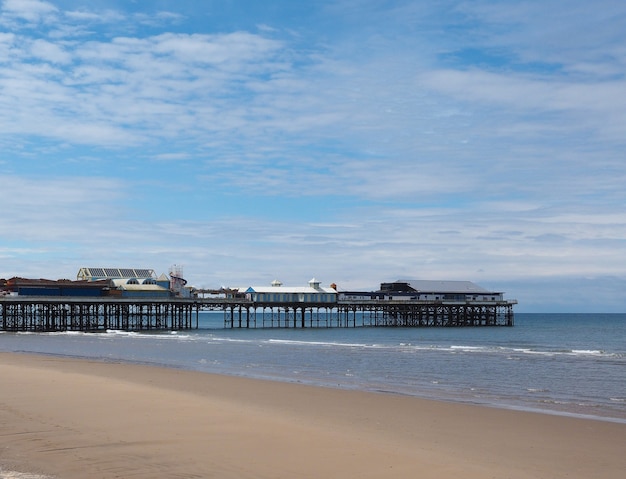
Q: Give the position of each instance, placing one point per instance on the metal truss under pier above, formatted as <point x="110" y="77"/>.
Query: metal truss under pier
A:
<point x="40" y="314"/>
<point x="369" y="314"/>
<point x="78" y="314"/>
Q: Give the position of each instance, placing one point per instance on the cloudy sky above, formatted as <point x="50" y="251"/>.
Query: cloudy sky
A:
<point x="355" y="141"/>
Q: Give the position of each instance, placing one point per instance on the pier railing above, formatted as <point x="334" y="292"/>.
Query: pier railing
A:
<point x="40" y="314"/>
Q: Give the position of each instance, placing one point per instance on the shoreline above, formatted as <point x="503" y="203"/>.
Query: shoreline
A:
<point x="72" y="418"/>
<point x="452" y="399"/>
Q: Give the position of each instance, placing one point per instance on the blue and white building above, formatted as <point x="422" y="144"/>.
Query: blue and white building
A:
<point x="277" y="293"/>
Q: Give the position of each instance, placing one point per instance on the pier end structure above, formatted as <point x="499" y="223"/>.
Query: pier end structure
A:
<point x="404" y="303"/>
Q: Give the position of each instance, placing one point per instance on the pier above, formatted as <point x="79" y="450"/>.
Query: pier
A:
<point x="51" y="314"/>
<point x="95" y="314"/>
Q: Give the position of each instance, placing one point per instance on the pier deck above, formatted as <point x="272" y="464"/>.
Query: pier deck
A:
<point x="40" y="314"/>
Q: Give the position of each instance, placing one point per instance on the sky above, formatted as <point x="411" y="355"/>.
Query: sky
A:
<point x="354" y="141"/>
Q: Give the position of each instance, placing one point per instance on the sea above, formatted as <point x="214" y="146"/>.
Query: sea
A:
<point x="568" y="364"/>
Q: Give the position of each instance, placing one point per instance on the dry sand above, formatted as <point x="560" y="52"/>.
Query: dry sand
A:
<point x="82" y="419"/>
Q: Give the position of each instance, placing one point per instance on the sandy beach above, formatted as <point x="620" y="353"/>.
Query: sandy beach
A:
<point x="73" y="419"/>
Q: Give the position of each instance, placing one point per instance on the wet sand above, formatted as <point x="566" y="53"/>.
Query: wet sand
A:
<point x="74" y="419"/>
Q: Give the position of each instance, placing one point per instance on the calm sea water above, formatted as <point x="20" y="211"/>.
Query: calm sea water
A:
<point x="558" y="363"/>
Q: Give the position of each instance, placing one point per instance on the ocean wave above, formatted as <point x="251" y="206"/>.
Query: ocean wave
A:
<point x="297" y="339"/>
<point x="405" y="347"/>
<point x="20" y="475"/>
<point x="567" y="352"/>
<point x="555" y="401"/>
<point x="296" y="342"/>
<point x="588" y="352"/>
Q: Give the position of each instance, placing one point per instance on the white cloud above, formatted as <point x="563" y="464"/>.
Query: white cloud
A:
<point x="132" y="82"/>
<point x="50" y="52"/>
<point x="238" y="47"/>
<point x="100" y="16"/>
<point x="545" y="32"/>
<point x="32" y="11"/>
<point x="159" y="19"/>
<point x="40" y="196"/>
<point x="525" y="92"/>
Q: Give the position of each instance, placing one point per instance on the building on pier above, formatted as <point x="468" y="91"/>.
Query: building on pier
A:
<point x="62" y="287"/>
<point x="132" y="288"/>
<point x="277" y="293"/>
<point x="432" y="290"/>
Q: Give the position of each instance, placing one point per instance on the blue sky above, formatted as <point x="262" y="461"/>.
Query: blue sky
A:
<point x="356" y="141"/>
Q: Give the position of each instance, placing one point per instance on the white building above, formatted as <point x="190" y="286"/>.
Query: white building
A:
<point x="277" y="293"/>
<point x="129" y="282"/>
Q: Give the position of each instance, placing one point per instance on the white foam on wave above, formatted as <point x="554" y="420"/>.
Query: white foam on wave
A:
<point x="588" y="352"/>
<point x="471" y="349"/>
<point x="320" y="343"/>
<point x="20" y="475"/>
<point x="567" y="352"/>
<point x="119" y="333"/>
<point x="232" y="340"/>
<point x="66" y="333"/>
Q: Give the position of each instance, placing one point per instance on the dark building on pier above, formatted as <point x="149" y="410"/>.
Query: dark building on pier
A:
<point x="434" y="290"/>
<point x="426" y="291"/>
<point x="62" y="287"/>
